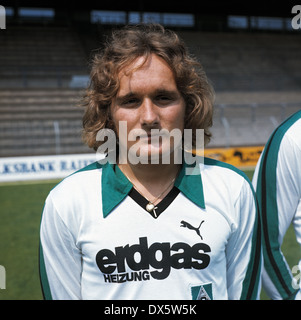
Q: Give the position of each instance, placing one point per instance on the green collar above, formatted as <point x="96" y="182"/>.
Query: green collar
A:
<point x="115" y="187"/>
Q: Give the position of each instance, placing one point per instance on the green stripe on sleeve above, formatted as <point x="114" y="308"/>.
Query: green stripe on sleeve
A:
<point x="267" y="199"/>
<point x="43" y="276"/>
<point x="251" y="282"/>
<point x="252" y="277"/>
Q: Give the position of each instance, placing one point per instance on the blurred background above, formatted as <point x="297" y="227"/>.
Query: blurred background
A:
<point x="250" y="52"/>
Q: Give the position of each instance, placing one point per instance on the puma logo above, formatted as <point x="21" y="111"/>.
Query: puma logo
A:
<point x="189" y="226"/>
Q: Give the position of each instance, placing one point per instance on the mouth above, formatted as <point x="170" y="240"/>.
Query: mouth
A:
<point x="149" y="137"/>
<point x="155" y="138"/>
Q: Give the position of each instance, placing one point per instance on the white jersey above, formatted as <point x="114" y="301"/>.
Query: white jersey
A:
<point x="99" y="242"/>
<point x="277" y="180"/>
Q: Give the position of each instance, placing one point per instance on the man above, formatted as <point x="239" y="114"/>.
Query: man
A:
<point x="277" y="180"/>
<point x="150" y="229"/>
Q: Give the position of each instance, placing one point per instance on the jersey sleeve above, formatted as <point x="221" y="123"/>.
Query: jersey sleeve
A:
<point x="60" y="259"/>
<point x="277" y="180"/>
<point x="244" y="248"/>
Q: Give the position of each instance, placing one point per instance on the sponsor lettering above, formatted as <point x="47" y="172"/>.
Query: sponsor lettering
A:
<point x="154" y="261"/>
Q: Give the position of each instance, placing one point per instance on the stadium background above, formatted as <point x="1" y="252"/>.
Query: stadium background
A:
<point x="249" y="51"/>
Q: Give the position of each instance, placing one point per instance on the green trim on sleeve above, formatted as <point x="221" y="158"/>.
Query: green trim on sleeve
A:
<point x="252" y="277"/>
<point x="43" y="276"/>
<point x="267" y="199"/>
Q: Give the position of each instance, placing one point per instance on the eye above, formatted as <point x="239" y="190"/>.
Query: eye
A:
<point x="131" y="102"/>
<point x="164" y="99"/>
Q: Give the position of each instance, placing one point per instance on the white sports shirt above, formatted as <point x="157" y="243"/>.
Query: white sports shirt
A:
<point x="99" y="242"/>
<point x="277" y="180"/>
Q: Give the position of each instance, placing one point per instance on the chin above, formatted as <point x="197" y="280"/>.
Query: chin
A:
<point x="152" y="155"/>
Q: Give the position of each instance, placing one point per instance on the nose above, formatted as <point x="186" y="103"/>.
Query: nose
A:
<point x="149" y="116"/>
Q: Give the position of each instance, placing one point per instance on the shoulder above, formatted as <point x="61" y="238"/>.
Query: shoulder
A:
<point x="284" y="144"/>
<point x="78" y="187"/>
<point x="292" y="124"/>
<point x="226" y="179"/>
<point x="75" y="198"/>
<point x="224" y="170"/>
<point x="79" y="178"/>
<point x="292" y="136"/>
<point x="286" y="134"/>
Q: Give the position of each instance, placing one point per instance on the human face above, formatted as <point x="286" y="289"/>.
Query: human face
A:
<point x="148" y="99"/>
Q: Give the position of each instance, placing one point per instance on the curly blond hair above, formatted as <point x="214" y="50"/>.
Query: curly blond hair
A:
<point x="122" y="49"/>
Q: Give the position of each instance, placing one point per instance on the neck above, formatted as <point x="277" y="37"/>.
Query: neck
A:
<point x="150" y="173"/>
<point x="153" y="181"/>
